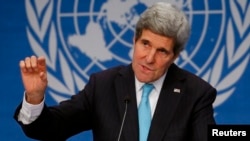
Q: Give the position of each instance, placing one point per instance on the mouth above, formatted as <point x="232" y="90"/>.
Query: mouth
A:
<point x="146" y="69"/>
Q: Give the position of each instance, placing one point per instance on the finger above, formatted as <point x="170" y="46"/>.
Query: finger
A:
<point x="28" y="64"/>
<point x="41" y="63"/>
<point x="22" y="66"/>
<point x="33" y="63"/>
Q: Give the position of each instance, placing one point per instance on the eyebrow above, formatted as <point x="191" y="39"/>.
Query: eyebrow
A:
<point x="158" y="48"/>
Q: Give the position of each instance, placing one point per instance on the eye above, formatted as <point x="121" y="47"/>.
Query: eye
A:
<point x="163" y="51"/>
<point x="145" y="43"/>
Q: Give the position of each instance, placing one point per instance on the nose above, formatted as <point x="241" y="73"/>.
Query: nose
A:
<point x="150" y="58"/>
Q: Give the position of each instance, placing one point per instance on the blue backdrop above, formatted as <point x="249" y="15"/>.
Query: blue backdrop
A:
<point x="79" y="37"/>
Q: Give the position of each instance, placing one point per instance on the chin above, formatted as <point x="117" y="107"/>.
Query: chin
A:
<point x="144" y="79"/>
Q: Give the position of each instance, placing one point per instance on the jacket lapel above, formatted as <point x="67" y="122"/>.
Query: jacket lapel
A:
<point x="125" y="88"/>
<point x="165" y="109"/>
<point x="168" y="101"/>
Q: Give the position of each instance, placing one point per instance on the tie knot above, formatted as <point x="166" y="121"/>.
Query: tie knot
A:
<point x="147" y="88"/>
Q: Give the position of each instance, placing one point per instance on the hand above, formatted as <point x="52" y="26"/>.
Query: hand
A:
<point x="34" y="76"/>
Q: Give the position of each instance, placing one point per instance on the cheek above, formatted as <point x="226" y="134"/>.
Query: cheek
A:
<point x="163" y="65"/>
<point x="138" y="53"/>
<point x="162" y="68"/>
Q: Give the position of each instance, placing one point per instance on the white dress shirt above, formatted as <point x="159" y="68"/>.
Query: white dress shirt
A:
<point x="154" y="95"/>
<point x="29" y="112"/>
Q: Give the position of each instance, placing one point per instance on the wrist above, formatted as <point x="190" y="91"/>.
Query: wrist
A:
<point x="34" y="99"/>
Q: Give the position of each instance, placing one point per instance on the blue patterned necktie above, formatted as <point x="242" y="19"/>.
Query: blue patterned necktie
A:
<point x="145" y="112"/>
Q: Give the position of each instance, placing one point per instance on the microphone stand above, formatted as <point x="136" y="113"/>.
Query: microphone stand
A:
<point x="126" y="100"/>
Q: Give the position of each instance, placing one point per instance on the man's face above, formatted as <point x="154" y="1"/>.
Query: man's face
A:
<point x="153" y="54"/>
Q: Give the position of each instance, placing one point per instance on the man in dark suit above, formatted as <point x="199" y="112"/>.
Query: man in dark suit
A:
<point x="180" y="102"/>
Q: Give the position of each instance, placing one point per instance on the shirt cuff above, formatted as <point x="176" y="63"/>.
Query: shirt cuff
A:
<point x="30" y="112"/>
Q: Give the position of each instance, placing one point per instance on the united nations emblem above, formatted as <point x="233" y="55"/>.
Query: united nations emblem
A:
<point x="80" y="37"/>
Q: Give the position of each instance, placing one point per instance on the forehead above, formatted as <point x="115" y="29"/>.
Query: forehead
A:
<point x="156" y="39"/>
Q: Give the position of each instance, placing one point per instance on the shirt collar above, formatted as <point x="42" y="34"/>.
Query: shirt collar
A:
<point x="157" y="84"/>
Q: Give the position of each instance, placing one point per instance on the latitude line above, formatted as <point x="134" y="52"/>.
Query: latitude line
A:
<point x="205" y="12"/>
<point x="70" y="14"/>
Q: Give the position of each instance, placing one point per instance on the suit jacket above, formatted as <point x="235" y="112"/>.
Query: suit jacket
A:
<point x="183" y="112"/>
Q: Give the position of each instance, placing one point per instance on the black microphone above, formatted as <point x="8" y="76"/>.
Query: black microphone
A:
<point x="126" y="100"/>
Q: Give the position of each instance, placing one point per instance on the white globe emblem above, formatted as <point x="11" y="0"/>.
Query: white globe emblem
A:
<point x="96" y="36"/>
<point x="89" y="36"/>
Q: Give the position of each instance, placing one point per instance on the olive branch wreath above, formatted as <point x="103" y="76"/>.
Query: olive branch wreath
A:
<point x="40" y="21"/>
<point x="40" y="25"/>
<point x="240" y="55"/>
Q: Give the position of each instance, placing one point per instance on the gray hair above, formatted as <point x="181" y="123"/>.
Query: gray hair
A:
<point x="166" y="20"/>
